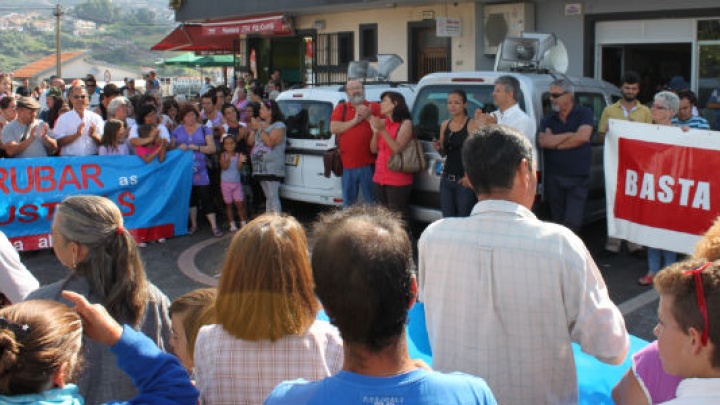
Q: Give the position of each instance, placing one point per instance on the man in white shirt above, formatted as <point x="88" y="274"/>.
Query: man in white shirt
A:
<point x="505" y="293"/>
<point x="79" y="131"/>
<point x="505" y="96"/>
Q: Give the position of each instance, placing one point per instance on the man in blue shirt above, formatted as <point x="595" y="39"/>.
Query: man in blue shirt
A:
<point x="685" y="118"/>
<point x="364" y="276"/>
<point x="565" y="139"/>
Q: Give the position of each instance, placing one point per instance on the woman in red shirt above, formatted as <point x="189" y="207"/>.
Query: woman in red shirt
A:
<point x="391" y="134"/>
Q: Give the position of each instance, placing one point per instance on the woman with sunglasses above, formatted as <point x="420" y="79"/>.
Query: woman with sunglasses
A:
<point x="268" y="153"/>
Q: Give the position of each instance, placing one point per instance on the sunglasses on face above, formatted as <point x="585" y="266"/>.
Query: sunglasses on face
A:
<point x="557" y="95"/>
<point x="79" y="97"/>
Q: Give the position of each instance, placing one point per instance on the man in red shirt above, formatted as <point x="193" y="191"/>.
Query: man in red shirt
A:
<point x="349" y="122"/>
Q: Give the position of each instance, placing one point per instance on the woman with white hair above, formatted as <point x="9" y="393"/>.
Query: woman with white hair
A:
<point x="121" y="109"/>
<point x="665" y="106"/>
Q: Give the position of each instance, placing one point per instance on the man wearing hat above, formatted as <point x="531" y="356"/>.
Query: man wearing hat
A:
<point x="27" y="136"/>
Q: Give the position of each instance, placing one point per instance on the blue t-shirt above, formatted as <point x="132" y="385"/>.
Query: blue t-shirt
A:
<point x="570" y="162"/>
<point x="417" y="387"/>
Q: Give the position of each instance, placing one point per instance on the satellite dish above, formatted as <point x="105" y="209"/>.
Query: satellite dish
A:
<point x="387" y="63"/>
<point x="555" y="59"/>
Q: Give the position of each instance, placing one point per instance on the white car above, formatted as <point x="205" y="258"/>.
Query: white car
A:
<point x="430" y="109"/>
<point x="307" y="117"/>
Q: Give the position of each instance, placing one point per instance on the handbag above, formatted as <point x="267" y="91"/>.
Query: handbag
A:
<point x="409" y="160"/>
<point x="331" y="157"/>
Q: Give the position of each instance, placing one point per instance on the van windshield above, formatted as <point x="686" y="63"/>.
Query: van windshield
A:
<point x="430" y="108"/>
<point x="306" y="119"/>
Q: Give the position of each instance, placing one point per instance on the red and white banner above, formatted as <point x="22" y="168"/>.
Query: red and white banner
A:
<point x="661" y="184"/>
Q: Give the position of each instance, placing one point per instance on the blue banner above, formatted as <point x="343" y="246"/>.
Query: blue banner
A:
<point x="153" y="197"/>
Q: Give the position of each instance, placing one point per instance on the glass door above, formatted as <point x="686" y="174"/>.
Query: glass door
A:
<point x="708" y="32"/>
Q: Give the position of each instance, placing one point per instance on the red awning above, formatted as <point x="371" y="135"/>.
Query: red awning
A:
<point x="268" y="25"/>
<point x="218" y="36"/>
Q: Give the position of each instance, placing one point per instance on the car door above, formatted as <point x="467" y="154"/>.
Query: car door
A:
<point x="308" y="137"/>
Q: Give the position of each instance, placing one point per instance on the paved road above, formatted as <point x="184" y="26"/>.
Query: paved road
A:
<point x="189" y="262"/>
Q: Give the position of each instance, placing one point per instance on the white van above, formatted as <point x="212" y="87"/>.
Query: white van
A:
<point x="307" y="118"/>
<point x="430" y="110"/>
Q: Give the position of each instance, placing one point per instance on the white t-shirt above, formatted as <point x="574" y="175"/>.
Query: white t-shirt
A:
<point x="68" y="124"/>
<point x="16" y="282"/>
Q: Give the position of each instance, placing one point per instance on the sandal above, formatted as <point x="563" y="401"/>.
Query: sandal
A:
<point x="217" y="232"/>
<point x="646" y="280"/>
<point x="192" y="230"/>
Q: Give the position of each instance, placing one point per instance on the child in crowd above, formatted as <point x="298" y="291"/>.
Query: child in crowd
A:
<point x="113" y="139"/>
<point x="189" y="313"/>
<point x="41" y="354"/>
<point x="5" y="85"/>
<point x="231" y="163"/>
<point x="148" y="152"/>
<point x="687" y="329"/>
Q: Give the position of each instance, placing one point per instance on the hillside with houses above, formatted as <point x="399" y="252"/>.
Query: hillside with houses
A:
<point x="117" y="32"/>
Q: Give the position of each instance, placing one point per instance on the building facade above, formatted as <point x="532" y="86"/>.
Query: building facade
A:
<point x="658" y="39"/>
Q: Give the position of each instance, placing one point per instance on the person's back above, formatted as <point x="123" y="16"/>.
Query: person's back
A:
<point x="364" y="277"/>
<point x="507" y="297"/>
<point x="417" y="387"/>
<point x="505" y="293"/>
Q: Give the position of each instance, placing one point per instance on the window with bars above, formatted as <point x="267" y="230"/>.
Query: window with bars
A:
<point x="334" y="53"/>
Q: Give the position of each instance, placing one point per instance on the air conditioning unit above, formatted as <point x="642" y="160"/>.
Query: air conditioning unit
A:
<point x="505" y="20"/>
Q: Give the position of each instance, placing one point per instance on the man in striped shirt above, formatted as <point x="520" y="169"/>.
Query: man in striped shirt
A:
<point x="685" y="118"/>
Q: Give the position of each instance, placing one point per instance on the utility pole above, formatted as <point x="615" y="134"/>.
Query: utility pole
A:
<point x="57" y="12"/>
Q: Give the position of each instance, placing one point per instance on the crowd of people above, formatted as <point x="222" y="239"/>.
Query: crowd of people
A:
<point x="237" y="142"/>
<point x="505" y="293"/>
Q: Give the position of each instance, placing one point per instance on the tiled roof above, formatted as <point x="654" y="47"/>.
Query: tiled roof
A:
<point x="44" y="64"/>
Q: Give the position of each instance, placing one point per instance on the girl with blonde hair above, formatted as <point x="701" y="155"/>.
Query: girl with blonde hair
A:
<point x="266" y="330"/>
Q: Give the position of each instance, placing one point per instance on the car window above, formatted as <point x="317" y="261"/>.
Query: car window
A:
<point x="593" y="101"/>
<point x="430" y="108"/>
<point x="306" y="119"/>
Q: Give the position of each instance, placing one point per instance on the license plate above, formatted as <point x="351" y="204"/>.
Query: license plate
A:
<point x="292" y="160"/>
<point x="439" y="168"/>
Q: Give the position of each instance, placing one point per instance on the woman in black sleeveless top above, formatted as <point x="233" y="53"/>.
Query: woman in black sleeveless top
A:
<point x="456" y="197"/>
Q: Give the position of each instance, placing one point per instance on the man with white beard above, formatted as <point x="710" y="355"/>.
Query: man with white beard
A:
<point x="350" y="122"/>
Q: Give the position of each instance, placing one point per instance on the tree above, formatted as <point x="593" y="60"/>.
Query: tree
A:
<point x="98" y="11"/>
